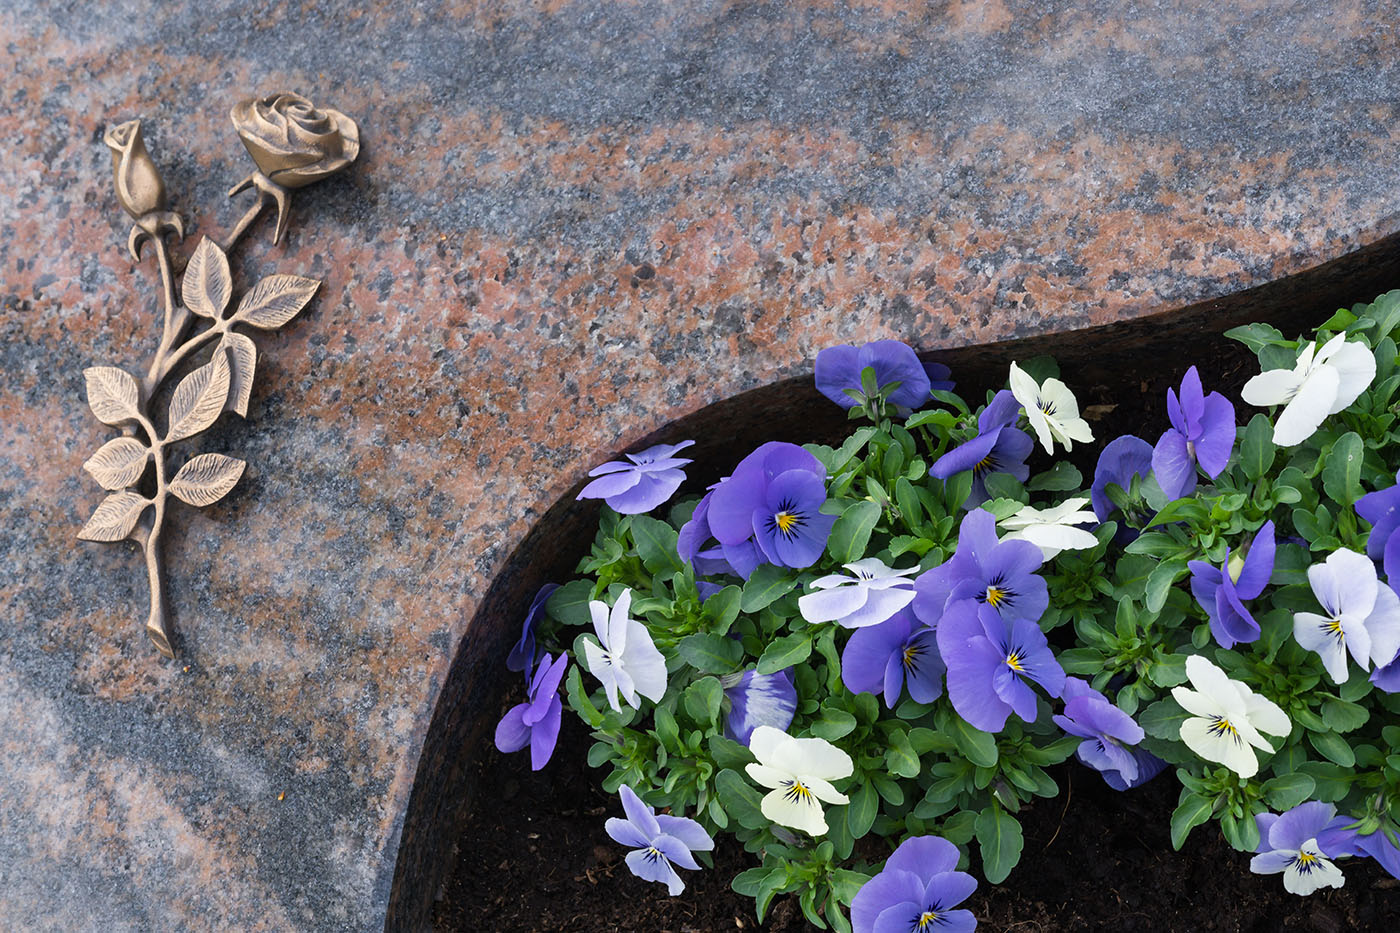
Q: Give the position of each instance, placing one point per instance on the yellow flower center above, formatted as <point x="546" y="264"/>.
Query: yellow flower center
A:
<point x="1013" y="661"/>
<point x="1219" y="725"/>
<point x="926" y="918"/>
<point x="1305" y="859"/>
<point x="786" y="521"/>
<point x="995" y="596"/>
<point x="798" y="792"/>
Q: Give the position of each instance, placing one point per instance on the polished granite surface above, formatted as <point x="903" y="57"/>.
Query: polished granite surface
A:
<point x="572" y="223"/>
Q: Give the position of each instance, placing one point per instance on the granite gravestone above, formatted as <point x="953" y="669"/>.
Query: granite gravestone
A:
<point x="572" y="225"/>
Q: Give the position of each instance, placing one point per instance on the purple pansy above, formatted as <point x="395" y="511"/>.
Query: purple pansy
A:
<point x="522" y="656"/>
<point x="1302" y="844"/>
<point x="1222" y="591"/>
<point x="773" y="498"/>
<point x="1379" y="847"/>
<point x="1122" y="459"/>
<point x="1109" y="734"/>
<point x="999" y="447"/>
<point x="536" y="721"/>
<point x="1382" y="509"/>
<point x="990" y="661"/>
<point x="838" y="369"/>
<point x="1202" y="432"/>
<point x="883" y="659"/>
<point x="1000" y="574"/>
<point x="737" y="559"/>
<point x="658" y="841"/>
<point x="652" y="477"/>
<point x="916" y="892"/>
<point x="759" y="700"/>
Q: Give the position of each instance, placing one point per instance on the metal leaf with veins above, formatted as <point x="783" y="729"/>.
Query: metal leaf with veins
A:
<point x="207" y="285"/>
<point x="115" y="517"/>
<point x="199" y="399"/>
<point x="136" y="508"/>
<point x="206" y="479"/>
<point x="113" y="396"/>
<point x="243" y="362"/>
<point x="275" y="300"/>
<point x="118" y="463"/>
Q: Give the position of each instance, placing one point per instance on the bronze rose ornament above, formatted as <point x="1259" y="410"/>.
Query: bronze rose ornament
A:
<point x="293" y="144"/>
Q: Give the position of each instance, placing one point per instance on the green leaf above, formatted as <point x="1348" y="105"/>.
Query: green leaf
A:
<point x="667" y="732"/>
<point x="1339" y="321"/>
<point x="900" y="758"/>
<point x="1190" y="813"/>
<point x="702" y="701"/>
<point x="656" y="544"/>
<point x="1163" y="719"/>
<point x="785" y="652"/>
<point x="1081" y="660"/>
<point x="1341" y="476"/>
<point x="977" y="746"/>
<point x="579" y="701"/>
<point x="1288" y="790"/>
<point x="710" y="653"/>
<point x="1333" y="747"/>
<point x="767" y="584"/>
<point x="569" y="603"/>
<point x="1155" y="544"/>
<point x="859" y="814"/>
<point x="727" y="753"/>
<point x="741" y="801"/>
<point x="1342" y="716"/>
<point x="834" y="724"/>
<point x="1257" y="448"/>
<point x="1258" y="336"/>
<point x="1242" y="832"/>
<point x="1063" y="477"/>
<point x="999" y="837"/>
<point x="1159" y="583"/>
<point x="723" y="608"/>
<point x="850" y="448"/>
<point x="851" y="532"/>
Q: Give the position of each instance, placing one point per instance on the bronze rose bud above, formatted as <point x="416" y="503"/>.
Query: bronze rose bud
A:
<point x="139" y="188"/>
<point x="293" y="143"/>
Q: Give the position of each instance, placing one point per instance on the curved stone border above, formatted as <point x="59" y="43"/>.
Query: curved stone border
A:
<point x="1096" y="359"/>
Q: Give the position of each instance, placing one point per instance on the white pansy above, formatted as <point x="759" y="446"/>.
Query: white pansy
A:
<point x="1305" y="869"/>
<point x="624" y="658"/>
<point x="1323" y="382"/>
<point x="1051" y="409"/>
<point x="800" y="771"/>
<point x="1226" y="718"/>
<point x="870" y="595"/>
<point x="1054" y="529"/>
<point x="1361" y="615"/>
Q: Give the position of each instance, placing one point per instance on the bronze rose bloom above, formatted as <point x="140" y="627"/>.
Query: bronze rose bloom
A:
<point x="293" y="142"/>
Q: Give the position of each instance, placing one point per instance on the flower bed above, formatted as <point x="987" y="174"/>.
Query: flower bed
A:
<point x="738" y="678"/>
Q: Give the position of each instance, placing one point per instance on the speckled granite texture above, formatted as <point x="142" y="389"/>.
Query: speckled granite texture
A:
<point x="573" y="223"/>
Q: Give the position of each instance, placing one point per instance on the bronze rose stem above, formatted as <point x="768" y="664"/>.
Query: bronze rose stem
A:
<point x="294" y="141"/>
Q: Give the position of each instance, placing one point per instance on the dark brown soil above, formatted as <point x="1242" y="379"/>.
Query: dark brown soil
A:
<point x="534" y="856"/>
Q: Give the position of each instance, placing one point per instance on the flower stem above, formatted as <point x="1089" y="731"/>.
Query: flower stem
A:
<point x="176" y="320"/>
<point x="245" y="222"/>
<point x="156" y="626"/>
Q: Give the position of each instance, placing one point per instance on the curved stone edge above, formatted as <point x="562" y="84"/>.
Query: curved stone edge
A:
<point x="790" y="410"/>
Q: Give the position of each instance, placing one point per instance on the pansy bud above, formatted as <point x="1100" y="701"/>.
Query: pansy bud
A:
<point x="139" y="187"/>
<point x="1236" y="566"/>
